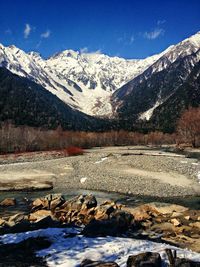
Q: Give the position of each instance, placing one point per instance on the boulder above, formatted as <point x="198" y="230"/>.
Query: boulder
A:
<point x="185" y="263"/>
<point x="122" y="219"/>
<point x="39" y="203"/>
<point x="45" y="222"/>
<point x="8" y="202"/>
<point x="100" y="228"/>
<point x="89" y="202"/>
<point x="90" y="263"/>
<point x="104" y="210"/>
<point x="39" y="214"/>
<point x="54" y="200"/>
<point x="187" y="217"/>
<point x="118" y="223"/>
<point x="12" y="227"/>
<point x="164" y="227"/>
<point x="22" y="254"/>
<point x="175" y="222"/>
<point x="80" y="202"/>
<point x="17" y="218"/>
<point x="2" y="222"/>
<point x="170" y="209"/>
<point x="50" y="201"/>
<point x="143" y="212"/>
<point x="195" y="224"/>
<point x="146" y="259"/>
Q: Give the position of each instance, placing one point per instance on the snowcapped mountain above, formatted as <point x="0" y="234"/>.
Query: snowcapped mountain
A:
<point x="99" y="85"/>
<point x="141" y="96"/>
<point x="85" y="81"/>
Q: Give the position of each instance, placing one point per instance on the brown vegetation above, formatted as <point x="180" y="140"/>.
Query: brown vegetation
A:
<point x="188" y="127"/>
<point x="24" y="138"/>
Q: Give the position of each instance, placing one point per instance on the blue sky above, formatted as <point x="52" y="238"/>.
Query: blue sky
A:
<point x="126" y="28"/>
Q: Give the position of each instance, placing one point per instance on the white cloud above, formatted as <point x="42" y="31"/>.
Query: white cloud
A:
<point x="126" y="39"/>
<point x="84" y="50"/>
<point x="27" y="31"/>
<point x="38" y="44"/>
<point x="154" y="34"/>
<point x="45" y="34"/>
<point x="96" y="52"/>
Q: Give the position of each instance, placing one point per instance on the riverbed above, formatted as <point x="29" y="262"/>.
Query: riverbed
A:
<point x="129" y="175"/>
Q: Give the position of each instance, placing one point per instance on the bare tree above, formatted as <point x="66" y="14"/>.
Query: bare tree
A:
<point x="188" y="126"/>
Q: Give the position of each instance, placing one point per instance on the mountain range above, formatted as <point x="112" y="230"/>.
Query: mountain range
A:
<point x="92" y="91"/>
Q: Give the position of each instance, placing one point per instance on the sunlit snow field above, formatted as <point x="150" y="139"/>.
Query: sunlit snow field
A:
<point x="70" y="251"/>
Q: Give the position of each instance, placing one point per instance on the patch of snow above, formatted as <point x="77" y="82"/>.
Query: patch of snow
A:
<point x="147" y="114"/>
<point x="198" y="176"/>
<point x="71" y="251"/>
<point x="83" y="180"/>
<point x="102" y="159"/>
<point x="195" y="163"/>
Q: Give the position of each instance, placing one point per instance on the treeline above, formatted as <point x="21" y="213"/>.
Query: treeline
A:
<point x="24" y="138"/>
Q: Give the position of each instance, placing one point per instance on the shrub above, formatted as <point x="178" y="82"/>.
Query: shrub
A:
<point x="74" y="151"/>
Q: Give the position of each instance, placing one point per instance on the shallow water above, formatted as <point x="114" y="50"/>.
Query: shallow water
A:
<point x="24" y="199"/>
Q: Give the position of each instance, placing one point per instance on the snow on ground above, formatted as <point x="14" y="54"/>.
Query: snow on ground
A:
<point x="70" y="251"/>
<point x="102" y="159"/>
<point x="198" y="176"/>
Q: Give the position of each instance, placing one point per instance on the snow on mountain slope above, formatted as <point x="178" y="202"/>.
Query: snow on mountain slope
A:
<point x="85" y="81"/>
<point x="151" y="87"/>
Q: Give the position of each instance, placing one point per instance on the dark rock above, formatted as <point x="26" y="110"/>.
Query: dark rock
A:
<point x="146" y="259"/>
<point x="120" y="222"/>
<point x="22" y="254"/>
<point x="100" y="228"/>
<point x="89" y="201"/>
<point x="122" y="219"/>
<point x="22" y="226"/>
<point x="185" y="263"/>
<point x="45" y="223"/>
<point x="90" y="263"/>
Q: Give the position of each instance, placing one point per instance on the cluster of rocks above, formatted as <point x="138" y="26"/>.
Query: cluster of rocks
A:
<point x="173" y="224"/>
<point x="107" y="218"/>
<point x="170" y="223"/>
<point x="145" y="259"/>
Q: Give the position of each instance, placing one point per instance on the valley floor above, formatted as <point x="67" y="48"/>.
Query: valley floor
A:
<point x="132" y="170"/>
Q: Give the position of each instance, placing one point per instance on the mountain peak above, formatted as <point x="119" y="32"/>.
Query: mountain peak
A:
<point x="69" y="53"/>
<point x="34" y="54"/>
<point x="194" y="39"/>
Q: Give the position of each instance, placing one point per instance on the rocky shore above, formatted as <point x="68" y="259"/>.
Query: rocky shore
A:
<point x="172" y="224"/>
